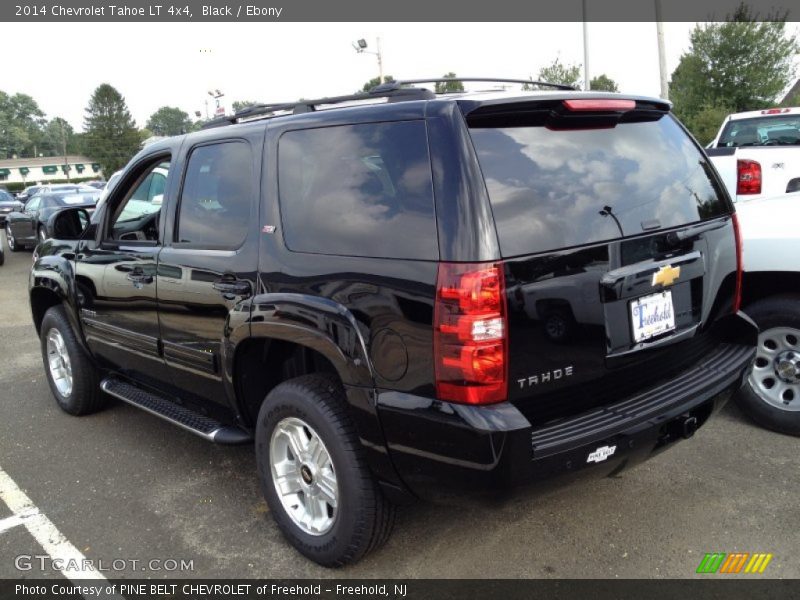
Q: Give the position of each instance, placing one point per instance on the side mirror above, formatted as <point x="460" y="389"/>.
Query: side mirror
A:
<point x="68" y="224"/>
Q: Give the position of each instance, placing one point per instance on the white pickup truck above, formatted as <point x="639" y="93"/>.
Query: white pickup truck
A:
<point x="770" y="230"/>
<point x="757" y="153"/>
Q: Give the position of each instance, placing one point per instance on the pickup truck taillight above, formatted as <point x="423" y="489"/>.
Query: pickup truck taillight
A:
<point x="748" y="177"/>
<point x="470" y="338"/>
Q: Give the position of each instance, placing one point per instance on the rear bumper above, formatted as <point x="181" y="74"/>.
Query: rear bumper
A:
<point x="440" y="449"/>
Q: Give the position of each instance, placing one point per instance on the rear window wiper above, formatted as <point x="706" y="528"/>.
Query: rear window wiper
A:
<point x="674" y="238"/>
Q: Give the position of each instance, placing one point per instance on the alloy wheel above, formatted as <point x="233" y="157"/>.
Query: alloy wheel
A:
<point x="304" y="476"/>
<point x="776" y="372"/>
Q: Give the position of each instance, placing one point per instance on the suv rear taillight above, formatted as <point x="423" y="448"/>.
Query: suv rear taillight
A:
<point x="748" y="177"/>
<point x="737" y="292"/>
<point x="470" y="338"/>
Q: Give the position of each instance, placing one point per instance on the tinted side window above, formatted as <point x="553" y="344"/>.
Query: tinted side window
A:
<point x="133" y="210"/>
<point x="217" y="196"/>
<point x="554" y="188"/>
<point x="358" y="190"/>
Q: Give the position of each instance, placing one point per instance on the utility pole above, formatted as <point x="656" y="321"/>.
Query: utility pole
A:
<point x="586" y="49"/>
<point x="662" y="59"/>
<point x="380" y="58"/>
<point x="64" y="148"/>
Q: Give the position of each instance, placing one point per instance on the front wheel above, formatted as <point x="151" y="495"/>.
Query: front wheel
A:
<point x="70" y="372"/>
<point x="771" y="396"/>
<point x="11" y="240"/>
<point x="313" y="475"/>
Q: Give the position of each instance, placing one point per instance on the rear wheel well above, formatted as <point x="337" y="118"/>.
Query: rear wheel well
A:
<point x="42" y="299"/>
<point x="263" y="363"/>
<point x="760" y="285"/>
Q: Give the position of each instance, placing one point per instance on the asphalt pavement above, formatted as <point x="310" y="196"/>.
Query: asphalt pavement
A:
<point x="122" y="484"/>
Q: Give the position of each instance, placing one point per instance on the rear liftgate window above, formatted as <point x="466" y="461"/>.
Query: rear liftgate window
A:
<point x="358" y="190"/>
<point x="553" y="185"/>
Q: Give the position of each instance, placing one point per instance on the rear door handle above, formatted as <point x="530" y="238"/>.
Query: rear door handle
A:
<point x="229" y="287"/>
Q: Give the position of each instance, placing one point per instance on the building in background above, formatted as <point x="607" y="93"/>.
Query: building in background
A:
<point x="20" y="172"/>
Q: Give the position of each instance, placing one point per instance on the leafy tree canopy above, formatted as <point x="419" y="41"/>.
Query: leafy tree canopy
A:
<point x="603" y="83"/>
<point x="744" y="64"/>
<point x="557" y="72"/>
<point x="444" y="87"/>
<point x="169" y="120"/>
<point x="111" y="136"/>
<point x="375" y="81"/>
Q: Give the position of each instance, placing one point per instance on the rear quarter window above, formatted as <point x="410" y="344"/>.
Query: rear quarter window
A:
<point x="358" y="190"/>
<point x="552" y="189"/>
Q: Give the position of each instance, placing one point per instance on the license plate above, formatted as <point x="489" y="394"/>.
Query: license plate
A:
<point x="652" y="315"/>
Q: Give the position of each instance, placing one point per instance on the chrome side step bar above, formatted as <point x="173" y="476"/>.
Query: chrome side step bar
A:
<point x="206" y="427"/>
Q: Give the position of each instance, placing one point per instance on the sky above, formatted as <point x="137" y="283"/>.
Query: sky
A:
<point x="158" y="64"/>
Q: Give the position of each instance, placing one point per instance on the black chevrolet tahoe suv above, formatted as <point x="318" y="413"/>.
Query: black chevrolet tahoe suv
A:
<point x="400" y="294"/>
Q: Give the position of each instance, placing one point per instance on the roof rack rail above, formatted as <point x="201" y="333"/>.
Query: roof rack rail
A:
<point x="393" y="91"/>
<point x="304" y="106"/>
<point x="395" y="85"/>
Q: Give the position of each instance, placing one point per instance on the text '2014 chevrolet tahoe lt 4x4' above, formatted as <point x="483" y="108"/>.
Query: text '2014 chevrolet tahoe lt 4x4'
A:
<point x="417" y="295"/>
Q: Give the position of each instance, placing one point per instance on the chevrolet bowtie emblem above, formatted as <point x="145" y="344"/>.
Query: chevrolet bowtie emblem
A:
<point x="666" y="275"/>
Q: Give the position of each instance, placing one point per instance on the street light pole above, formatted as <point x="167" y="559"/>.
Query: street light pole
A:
<point x="380" y="58"/>
<point x="585" y="49"/>
<point x="361" y="48"/>
<point x="662" y="59"/>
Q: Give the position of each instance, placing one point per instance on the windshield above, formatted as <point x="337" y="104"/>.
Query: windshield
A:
<point x="556" y="188"/>
<point x="5" y="196"/>
<point x="769" y="130"/>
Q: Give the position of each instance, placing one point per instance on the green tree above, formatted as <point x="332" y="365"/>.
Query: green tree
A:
<point x="58" y="138"/>
<point x="375" y="81"/>
<point x="21" y="125"/>
<point x="743" y="63"/>
<point x="705" y="123"/>
<point x="145" y="134"/>
<point x="444" y="87"/>
<point x="242" y="104"/>
<point x="558" y="72"/>
<point x="169" y="120"/>
<point x="603" y="83"/>
<point x="110" y="132"/>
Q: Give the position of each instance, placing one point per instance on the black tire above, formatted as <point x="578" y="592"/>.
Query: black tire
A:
<point x="2" y="257"/>
<point x="11" y="241"/>
<point x="85" y="396"/>
<point x="364" y="517"/>
<point x="771" y="313"/>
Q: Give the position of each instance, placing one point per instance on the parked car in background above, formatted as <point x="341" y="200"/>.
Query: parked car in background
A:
<point x="757" y="153"/>
<point x="771" y="297"/>
<point x="8" y="204"/>
<point x="28" y="192"/>
<point x="31" y="191"/>
<point x="29" y="226"/>
<point x="98" y="185"/>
